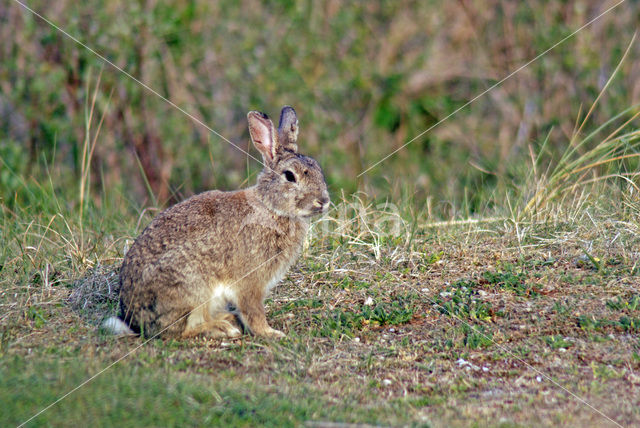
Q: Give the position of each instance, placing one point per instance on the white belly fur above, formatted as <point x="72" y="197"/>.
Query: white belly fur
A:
<point x="221" y="296"/>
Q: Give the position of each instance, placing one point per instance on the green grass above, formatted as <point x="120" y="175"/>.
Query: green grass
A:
<point x="137" y="394"/>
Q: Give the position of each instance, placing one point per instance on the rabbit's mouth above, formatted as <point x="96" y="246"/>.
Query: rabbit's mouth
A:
<point x="319" y="206"/>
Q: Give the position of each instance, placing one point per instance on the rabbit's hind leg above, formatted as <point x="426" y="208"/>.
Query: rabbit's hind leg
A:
<point x="251" y="313"/>
<point x="201" y="323"/>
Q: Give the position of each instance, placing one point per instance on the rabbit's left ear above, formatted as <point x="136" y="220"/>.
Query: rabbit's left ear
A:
<point x="263" y="135"/>
<point x="288" y="129"/>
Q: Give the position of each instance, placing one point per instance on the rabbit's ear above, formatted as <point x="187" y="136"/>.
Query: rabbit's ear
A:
<point x="288" y="129"/>
<point x="263" y="135"/>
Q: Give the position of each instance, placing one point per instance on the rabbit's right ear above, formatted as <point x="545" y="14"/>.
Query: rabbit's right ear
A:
<point x="263" y="135"/>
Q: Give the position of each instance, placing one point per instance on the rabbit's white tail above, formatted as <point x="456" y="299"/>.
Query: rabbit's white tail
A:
<point x="115" y="325"/>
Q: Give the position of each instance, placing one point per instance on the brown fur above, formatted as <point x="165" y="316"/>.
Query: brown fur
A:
<point x="209" y="261"/>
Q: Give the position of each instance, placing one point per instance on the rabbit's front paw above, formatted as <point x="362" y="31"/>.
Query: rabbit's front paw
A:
<point x="272" y="333"/>
<point x="234" y="332"/>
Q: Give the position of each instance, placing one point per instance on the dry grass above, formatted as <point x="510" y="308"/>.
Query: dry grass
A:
<point x="96" y="294"/>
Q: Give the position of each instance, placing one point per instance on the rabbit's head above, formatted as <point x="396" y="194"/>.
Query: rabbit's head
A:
<point x="290" y="184"/>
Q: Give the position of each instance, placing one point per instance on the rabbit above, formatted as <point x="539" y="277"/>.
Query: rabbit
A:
<point x="204" y="266"/>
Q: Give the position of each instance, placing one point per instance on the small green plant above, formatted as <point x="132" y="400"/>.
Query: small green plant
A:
<point x="509" y="279"/>
<point x="625" y="323"/>
<point x="557" y="342"/>
<point x="561" y="309"/>
<point x="349" y="283"/>
<point x="591" y="323"/>
<point x="477" y="337"/>
<point x="620" y="304"/>
<point x="461" y="299"/>
<point x="429" y="260"/>
<point x="394" y="313"/>
<point x="37" y="315"/>
<point x="604" y="372"/>
<point x="594" y="261"/>
<point x="629" y="324"/>
<point x="433" y="257"/>
<point x="339" y="322"/>
<point x="298" y="304"/>
<point x="538" y="263"/>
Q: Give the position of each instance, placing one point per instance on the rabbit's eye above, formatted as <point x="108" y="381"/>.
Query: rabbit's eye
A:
<point x="289" y="176"/>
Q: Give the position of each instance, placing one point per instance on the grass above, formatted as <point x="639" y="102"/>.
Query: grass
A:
<point x="458" y="325"/>
<point x="414" y="324"/>
<point x="139" y="394"/>
<point x="509" y="315"/>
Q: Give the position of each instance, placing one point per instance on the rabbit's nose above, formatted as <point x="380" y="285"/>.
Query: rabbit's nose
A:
<point x="322" y="203"/>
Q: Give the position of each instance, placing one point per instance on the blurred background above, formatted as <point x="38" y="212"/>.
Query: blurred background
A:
<point x="364" y="77"/>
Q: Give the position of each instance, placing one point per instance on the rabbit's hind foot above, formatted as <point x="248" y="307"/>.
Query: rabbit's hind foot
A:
<point x="201" y="323"/>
